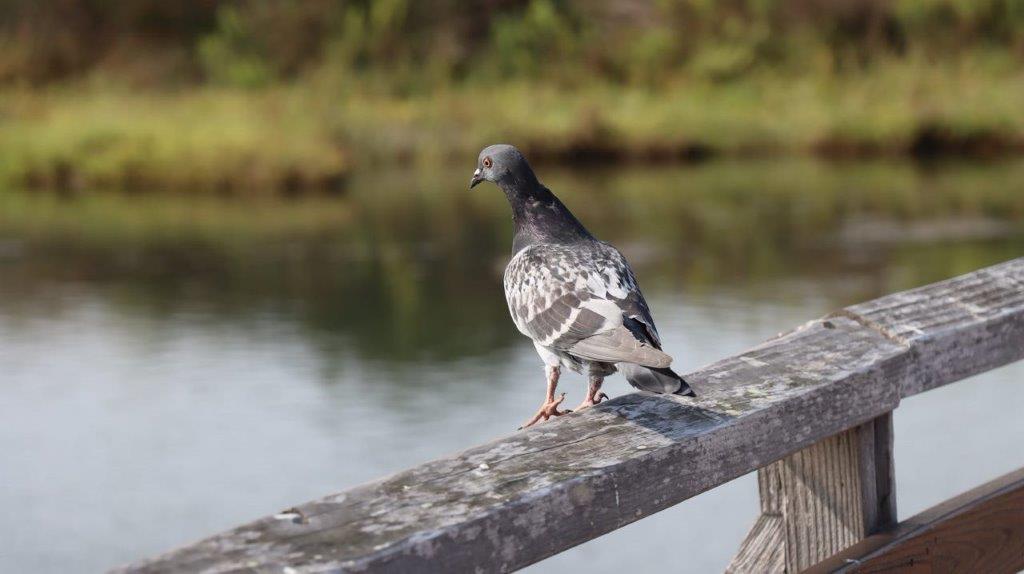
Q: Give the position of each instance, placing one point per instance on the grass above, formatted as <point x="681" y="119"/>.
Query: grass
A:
<point x="195" y="140"/>
<point x="886" y="110"/>
<point x="309" y="135"/>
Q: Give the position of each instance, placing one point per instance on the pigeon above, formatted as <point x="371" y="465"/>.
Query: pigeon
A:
<point x="575" y="296"/>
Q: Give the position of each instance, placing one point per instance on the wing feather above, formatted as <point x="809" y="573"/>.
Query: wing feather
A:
<point x="620" y="346"/>
<point x="584" y="301"/>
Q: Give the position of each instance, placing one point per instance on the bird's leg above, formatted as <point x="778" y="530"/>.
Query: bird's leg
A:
<point x="594" y="394"/>
<point x="550" y="407"/>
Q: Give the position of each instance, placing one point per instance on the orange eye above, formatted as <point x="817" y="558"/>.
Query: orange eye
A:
<point x="487" y="162"/>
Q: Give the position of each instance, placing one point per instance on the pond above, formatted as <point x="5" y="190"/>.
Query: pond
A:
<point x="171" y="366"/>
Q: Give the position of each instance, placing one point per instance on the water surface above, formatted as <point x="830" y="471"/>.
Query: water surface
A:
<point x="171" y="366"/>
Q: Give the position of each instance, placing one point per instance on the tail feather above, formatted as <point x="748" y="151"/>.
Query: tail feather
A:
<point x="656" y="380"/>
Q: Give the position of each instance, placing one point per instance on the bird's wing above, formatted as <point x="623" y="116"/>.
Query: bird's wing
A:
<point x="582" y="300"/>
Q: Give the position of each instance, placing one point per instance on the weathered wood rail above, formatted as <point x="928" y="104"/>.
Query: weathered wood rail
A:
<point x="812" y="409"/>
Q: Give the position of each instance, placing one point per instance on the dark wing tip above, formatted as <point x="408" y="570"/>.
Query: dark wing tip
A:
<point x="685" y="389"/>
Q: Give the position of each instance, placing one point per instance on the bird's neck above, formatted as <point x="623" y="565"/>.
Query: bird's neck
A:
<point x="539" y="216"/>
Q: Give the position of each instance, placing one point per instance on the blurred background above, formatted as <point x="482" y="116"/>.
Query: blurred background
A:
<point x="240" y="269"/>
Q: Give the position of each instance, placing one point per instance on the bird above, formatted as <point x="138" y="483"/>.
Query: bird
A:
<point x="573" y="295"/>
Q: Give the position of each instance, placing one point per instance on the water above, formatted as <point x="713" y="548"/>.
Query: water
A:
<point x="173" y="366"/>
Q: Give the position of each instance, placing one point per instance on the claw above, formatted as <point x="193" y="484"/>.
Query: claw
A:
<point x="546" y="411"/>
<point x="587" y="403"/>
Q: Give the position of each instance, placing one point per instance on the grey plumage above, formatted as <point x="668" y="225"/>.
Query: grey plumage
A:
<point x="573" y="295"/>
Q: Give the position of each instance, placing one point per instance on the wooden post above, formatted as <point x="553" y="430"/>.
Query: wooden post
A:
<point x="821" y="500"/>
<point x="981" y="530"/>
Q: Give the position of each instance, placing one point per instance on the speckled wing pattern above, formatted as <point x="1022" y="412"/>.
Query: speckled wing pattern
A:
<point x="583" y="300"/>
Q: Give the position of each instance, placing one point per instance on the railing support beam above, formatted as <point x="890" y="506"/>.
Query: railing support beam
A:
<point x="821" y="500"/>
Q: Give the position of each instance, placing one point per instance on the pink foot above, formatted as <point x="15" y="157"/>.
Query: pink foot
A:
<point x="547" y="410"/>
<point x="591" y="401"/>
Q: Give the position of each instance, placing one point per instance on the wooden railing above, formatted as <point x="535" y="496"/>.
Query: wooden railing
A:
<point x="810" y="409"/>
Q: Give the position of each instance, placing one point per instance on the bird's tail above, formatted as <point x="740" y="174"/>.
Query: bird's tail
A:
<point x="664" y="380"/>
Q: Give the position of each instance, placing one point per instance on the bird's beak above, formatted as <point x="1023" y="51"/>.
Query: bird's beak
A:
<point x="477" y="178"/>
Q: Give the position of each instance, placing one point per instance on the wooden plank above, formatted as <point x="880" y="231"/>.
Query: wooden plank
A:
<point x="978" y="531"/>
<point x="884" y="473"/>
<point x="532" y="494"/>
<point x="823" y="510"/>
<point x="824" y="499"/>
<point x="764" y="549"/>
<point x="821" y="500"/>
<point x="524" y="497"/>
<point x="957" y="328"/>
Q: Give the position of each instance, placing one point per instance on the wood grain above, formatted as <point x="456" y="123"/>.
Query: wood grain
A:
<point x="822" y="499"/>
<point x="763" y="550"/>
<point x="521" y="498"/>
<point x="823" y="506"/>
<point x="979" y="531"/>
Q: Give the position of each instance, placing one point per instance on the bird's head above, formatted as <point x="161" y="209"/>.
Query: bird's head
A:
<point x="501" y="162"/>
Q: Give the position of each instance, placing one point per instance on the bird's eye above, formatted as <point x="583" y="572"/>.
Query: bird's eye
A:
<point x="487" y="162"/>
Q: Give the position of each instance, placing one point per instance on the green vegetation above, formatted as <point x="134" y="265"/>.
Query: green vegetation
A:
<point x="283" y="95"/>
<point x="196" y="140"/>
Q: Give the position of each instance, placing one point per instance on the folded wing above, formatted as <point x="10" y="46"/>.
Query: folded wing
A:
<point x="582" y="301"/>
